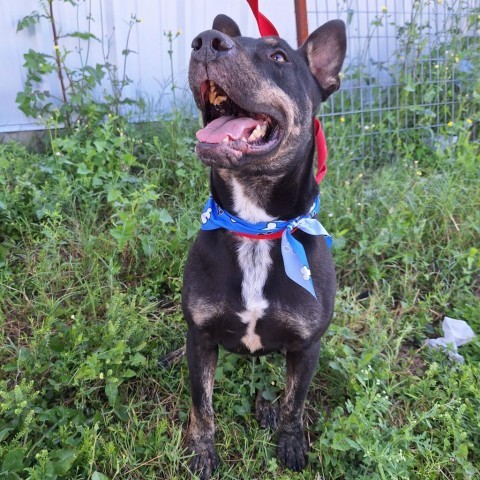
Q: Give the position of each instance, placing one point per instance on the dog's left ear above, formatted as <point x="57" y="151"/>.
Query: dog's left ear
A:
<point x="325" y="51"/>
<point x="226" y="25"/>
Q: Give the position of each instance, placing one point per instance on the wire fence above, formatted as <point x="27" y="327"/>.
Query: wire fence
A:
<point x="412" y="69"/>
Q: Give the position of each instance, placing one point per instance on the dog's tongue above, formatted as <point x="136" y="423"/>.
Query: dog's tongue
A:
<point x="233" y="127"/>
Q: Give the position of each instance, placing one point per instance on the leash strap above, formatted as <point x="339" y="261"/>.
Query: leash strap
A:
<point x="264" y="24"/>
<point x="294" y="257"/>
<point x="267" y="29"/>
<point x="322" y="150"/>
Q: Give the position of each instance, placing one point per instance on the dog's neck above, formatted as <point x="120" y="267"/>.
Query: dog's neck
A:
<point x="260" y="197"/>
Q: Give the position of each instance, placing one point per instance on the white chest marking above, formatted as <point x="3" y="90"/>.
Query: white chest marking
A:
<point x="245" y="208"/>
<point x="254" y="261"/>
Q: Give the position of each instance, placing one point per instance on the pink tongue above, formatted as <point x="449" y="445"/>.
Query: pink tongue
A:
<point x="231" y="127"/>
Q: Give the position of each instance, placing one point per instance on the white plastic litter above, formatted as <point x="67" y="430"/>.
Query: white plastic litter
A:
<point x="456" y="333"/>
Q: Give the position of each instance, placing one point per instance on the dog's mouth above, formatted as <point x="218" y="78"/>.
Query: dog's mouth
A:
<point x="230" y="126"/>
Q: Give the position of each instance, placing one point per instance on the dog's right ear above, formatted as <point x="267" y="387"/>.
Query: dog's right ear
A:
<point x="226" y="25"/>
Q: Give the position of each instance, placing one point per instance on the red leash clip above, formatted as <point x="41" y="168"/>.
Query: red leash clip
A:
<point x="267" y="29"/>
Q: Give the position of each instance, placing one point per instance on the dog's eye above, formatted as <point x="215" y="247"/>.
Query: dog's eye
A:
<point x="279" y="57"/>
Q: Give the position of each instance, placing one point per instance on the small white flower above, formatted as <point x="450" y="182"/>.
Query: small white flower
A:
<point x="305" y="271"/>
<point x="206" y="215"/>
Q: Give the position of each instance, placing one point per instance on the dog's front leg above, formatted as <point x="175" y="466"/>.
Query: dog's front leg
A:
<point x="292" y="446"/>
<point x="202" y="361"/>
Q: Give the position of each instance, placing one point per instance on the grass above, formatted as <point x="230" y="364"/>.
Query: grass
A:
<point x="94" y="234"/>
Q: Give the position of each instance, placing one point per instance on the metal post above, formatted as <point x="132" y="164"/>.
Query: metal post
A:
<point x="301" y="20"/>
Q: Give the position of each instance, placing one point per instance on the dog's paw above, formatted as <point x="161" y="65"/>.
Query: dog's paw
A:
<point x="204" y="460"/>
<point x="292" y="449"/>
<point x="266" y="412"/>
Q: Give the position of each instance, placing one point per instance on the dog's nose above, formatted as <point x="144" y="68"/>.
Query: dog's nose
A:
<point x="211" y="44"/>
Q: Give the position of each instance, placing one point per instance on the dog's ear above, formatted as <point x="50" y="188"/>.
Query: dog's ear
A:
<point x="226" y="25"/>
<point x="325" y="51"/>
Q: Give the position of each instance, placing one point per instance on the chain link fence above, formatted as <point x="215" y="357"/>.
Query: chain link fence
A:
<point x="411" y="72"/>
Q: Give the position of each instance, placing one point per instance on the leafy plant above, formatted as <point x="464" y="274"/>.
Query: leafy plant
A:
<point x="78" y="100"/>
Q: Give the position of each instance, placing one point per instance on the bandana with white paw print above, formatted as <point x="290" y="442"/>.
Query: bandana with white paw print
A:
<point x="293" y="253"/>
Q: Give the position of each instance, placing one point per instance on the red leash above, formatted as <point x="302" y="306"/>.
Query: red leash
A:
<point x="322" y="150"/>
<point x="267" y="29"/>
<point x="264" y="24"/>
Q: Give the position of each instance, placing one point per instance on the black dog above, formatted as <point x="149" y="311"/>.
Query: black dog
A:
<point x="258" y="98"/>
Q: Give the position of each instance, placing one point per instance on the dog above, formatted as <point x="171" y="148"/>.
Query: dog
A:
<point x="258" y="99"/>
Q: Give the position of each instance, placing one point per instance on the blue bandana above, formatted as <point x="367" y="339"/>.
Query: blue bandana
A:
<point x="293" y="253"/>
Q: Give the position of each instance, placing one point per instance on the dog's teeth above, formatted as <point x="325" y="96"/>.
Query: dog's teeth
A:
<point x="255" y="134"/>
<point x="220" y="99"/>
<point x="217" y="100"/>
<point x="212" y="88"/>
<point x="259" y="132"/>
<point x="226" y="139"/>
<point x="212" y="96"/>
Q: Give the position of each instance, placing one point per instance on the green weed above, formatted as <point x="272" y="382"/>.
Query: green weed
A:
<point x="79" y="79"/>
<point x="89" y="300"/>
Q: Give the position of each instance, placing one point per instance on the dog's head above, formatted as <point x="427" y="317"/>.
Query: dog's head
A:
<point x="258" y="96"/>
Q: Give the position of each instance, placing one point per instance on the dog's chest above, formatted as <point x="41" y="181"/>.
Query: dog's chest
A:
<point x="254" y="260"/>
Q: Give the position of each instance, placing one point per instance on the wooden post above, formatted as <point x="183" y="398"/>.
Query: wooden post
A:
<point x="302" y="21"/>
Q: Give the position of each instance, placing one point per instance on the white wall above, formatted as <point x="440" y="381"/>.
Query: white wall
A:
<point x="149" y="68"/>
